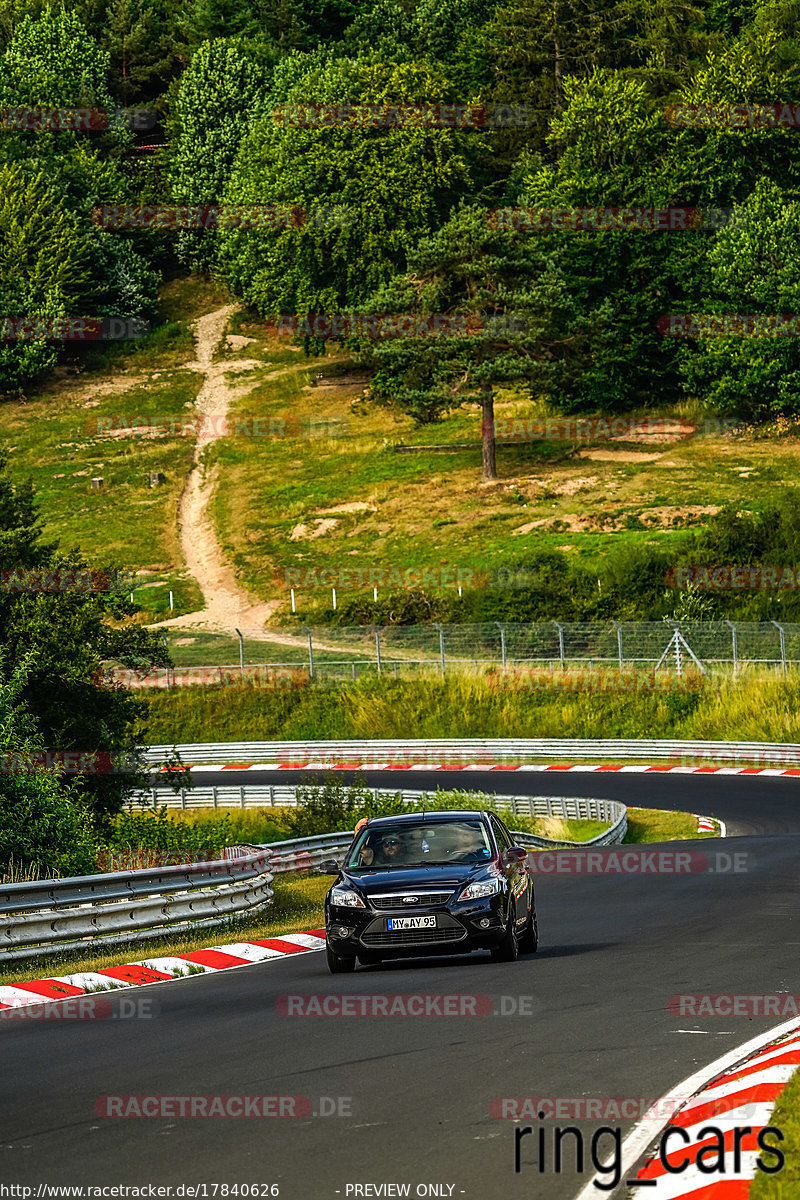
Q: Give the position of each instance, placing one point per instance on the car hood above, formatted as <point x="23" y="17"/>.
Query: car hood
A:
<point x="403" y="878"/>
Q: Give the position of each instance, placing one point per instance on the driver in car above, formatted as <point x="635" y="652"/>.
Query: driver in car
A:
<point x="387" y="852"/>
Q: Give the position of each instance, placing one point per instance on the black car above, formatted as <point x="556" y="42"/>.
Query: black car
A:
<point x="430" y="883"/>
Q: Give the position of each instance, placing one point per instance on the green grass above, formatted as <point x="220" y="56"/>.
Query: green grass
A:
<point x="752" y="709"/>
<point x="61" y="451"/>
<point x="786" y="1116"/>
<point x="660" y="825"/>
<point x="428" y="509"/>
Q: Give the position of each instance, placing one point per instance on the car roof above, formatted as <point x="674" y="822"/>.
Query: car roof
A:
<point x="434" y="815"/>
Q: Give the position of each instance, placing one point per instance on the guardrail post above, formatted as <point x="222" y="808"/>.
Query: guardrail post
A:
<point x="441" y="646"/>
<point x="241" y="652"/>
<point x="310" y="652"/>
<point x="735" y="639"/>
<point x="377" y="633"/>
<point x="502" y="629"/>
<point x="166" y="647"/>
<point x="214" y="796"/>
<point x="241" y="797"/>
<point x="560" y="644"/>
<point x="618" y="628"/>
<point x="183" y="797"/>
<point x="783" y="645"/>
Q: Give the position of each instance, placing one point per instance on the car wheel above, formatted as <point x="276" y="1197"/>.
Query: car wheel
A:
<point x="507" y="950"/>
<point x="337" y="965"/>
<point x="529" y="942"/>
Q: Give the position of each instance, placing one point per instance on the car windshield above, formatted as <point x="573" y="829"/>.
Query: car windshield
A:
<point x="427" y="843"/>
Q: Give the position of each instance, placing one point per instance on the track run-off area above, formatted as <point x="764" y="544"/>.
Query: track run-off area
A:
<point x="417" y="1101"/>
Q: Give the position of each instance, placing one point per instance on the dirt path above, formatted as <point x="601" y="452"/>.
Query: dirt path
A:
<point x="227" y="606"/>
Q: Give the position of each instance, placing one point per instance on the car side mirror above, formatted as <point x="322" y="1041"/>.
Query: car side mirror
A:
<point x="328" y="866"/>
<point x="515" y="855"/>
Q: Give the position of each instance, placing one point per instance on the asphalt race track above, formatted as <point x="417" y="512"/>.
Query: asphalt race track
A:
<point x="588" y="1017"/>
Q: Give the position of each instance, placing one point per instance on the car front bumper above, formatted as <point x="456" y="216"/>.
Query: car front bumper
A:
<point x="475" y="925"/>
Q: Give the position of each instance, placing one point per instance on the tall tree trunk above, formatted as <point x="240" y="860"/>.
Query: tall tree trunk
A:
<point x="487" y="431"/>
<point x="559" y="90"/>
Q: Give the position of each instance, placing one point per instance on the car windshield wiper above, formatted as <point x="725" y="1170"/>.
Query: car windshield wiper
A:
<point x="428" y="863"/>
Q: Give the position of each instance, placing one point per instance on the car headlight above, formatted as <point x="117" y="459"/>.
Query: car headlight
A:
<point x="484" y="887"/>
<point x="346" y="898"/>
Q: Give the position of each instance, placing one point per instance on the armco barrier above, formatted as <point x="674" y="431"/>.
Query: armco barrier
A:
<point x="302" y="854"/>
<point x="570" y="808"/>
<point x="471" y="750"/>
<point x="93" y="911"/>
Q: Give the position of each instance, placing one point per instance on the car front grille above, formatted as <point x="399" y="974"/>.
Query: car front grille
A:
<point x="447" y="930"/>
<point x="412" y="937"/>
<point x="395" y="903"/>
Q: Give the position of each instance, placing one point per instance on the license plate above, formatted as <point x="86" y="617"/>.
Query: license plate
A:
<point x="393" y="923"/>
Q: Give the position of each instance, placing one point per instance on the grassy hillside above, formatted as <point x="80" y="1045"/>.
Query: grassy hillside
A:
<point x="325" y="488"/>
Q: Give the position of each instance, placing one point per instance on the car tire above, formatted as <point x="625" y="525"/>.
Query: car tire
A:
<point x="337" y="964"/>
<point x="507" y="950"/>
<point x="529" y="942"/>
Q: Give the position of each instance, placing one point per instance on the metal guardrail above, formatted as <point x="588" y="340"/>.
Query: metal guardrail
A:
<point x="572" y="808"/>
<point x="304" y="854"/>
<point x="93" y="911"/>
<point x="471" y="751"/>
<point x="90" y="912"/>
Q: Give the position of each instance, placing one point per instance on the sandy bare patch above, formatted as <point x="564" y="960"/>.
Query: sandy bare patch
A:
<point x="529" y="528"/>
<point x="668" y="512"/>
<point x="237" y="341"/>
<point x="618" y="456"/>
<point x="339" y="381"/>
<point x="302" y="532"/>
<point x="570" y="486"/>
<point x="353" y="507"/>
<point x="108" y="387"/>
<point x="186" y="641"/>
<point x="665" y="516"/>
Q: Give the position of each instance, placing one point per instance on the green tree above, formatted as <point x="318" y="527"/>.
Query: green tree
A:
<point x="755" y="268"/>
<point x="385" y="29"/>
<point x="141" y="51"/>
<point x="43" y="267"/>
<point x="45" y="826"/>
<point x="612" y="148"/>
<point x="521" y="325"/>
<point x="52" y="60"/>
<point x="387" y="185"/>
<point x="221" y="90"/>
<point x="69" y="636"/>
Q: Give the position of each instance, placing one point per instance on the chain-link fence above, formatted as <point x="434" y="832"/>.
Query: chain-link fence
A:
<point x="286" y="657"/>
